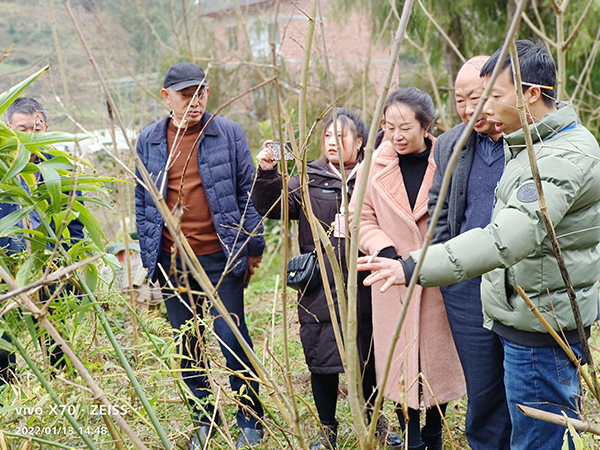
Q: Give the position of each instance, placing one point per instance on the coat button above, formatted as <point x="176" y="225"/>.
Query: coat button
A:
<point x="326" y="184"/>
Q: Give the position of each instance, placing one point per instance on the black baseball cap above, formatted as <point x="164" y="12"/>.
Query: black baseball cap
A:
<point x="183" y="75"/>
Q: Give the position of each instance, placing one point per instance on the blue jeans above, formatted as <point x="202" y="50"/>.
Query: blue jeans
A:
<point x="231" y="293"/>
<point x="481" y="355"/>
<point x="542" y="378"/>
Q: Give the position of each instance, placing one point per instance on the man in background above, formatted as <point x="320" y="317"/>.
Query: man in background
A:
<point x="206" y="178"/>
<point x="28" y="116"/>
<point x="468" y="204"/>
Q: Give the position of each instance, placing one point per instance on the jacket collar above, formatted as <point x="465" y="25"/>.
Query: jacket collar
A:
<point x="159" y="133"/>
<point x="552" y="124"/>
<point x="321" y="167"/>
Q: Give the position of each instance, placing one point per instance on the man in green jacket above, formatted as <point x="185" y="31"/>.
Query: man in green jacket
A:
<point x="515" y="250"/>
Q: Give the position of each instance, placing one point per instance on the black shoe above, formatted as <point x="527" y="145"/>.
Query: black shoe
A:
<point x="249" y="437"/>
<point x="327" y="440"/>
<point x="386" y="435"/>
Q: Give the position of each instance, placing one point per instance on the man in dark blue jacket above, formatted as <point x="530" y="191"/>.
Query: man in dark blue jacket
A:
<point x="28" y="116"/>
<point x="203" y="167"/>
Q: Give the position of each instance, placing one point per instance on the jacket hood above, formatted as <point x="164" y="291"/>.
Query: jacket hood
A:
<point x="321" y="167"/>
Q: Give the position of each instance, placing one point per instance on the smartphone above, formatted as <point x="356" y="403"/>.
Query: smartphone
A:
<point x="276" y="149"/>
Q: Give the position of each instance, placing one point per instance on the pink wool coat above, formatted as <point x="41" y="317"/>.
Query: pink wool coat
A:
<point x="425" y="343"/>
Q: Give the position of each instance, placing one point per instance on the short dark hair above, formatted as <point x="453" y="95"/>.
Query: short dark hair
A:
<point x="25" y="105"/>
<point x="537" y="67"/>
<point x="417" y="100"/>
<point x="351" y="121"/>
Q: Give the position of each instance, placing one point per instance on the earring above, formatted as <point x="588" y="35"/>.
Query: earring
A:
<point x="426" y="135"/>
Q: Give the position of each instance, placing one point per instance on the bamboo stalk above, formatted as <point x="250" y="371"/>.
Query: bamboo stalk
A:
<point x="579" y="425"/>
<point x="564" y="345"/>
<point x="28" y="304"/>
<point x="360" y="197"/>
<point x="113" y="433"/>
<point x="295" y="414"/>
<point x="125" y="238"/>
<point x="34" y="439"/>
<point x="122" y="358"/>
<point x="34" y="368"/>
<point x="546" y="216"/>
<point x="51" y="278"/>
<point x="347" y="305"/>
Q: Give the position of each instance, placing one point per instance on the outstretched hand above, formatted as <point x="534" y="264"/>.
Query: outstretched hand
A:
<point x="390" y="270"/>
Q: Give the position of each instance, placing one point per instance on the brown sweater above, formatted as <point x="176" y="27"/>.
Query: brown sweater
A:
<point x="196" y="221"/>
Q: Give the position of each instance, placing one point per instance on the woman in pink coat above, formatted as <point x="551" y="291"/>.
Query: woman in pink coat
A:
<point x="394" y="223"/>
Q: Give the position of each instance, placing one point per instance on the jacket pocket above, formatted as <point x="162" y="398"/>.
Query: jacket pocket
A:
<point x="509" y="291"/>
<point x="500" y="288"/>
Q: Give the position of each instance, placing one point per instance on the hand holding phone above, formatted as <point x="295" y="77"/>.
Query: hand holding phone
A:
<point x="275" y="147"/>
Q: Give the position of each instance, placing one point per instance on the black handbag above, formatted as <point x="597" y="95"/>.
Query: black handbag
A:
<point x="303" y="272"/>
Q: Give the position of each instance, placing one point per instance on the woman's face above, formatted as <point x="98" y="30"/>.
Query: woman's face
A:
<point x="403" y="130"/>
<point x="349" y="143"/>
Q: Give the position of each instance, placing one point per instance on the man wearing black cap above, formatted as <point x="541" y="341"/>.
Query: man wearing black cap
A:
<point x="203" y="167"/>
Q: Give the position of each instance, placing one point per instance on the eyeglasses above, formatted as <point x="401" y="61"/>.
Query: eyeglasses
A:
<point x="525" y="83"/>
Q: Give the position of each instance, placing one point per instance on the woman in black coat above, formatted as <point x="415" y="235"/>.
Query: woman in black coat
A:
<point x="316" y="328"/>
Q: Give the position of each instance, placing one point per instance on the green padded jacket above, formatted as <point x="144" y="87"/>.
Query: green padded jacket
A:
<point x="514" y="250"/>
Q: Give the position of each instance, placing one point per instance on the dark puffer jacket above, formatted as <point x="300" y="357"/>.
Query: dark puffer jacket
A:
<point x="316" y="329"/>
<point x="226" y="169"/>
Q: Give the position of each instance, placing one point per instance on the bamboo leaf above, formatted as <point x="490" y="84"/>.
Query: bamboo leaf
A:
<point x="18" y="164"/>
<point x="52" y="184"/>
<point x="4" y="344"/>
<point x="94" y="200"/>
<point x="90" y="223"/>
<point x="16" y="194"/>
<point x="25" y="273"/>
<point x="112" y="261"/>
<point x="5" y="131"/>
<point x="57" y="163"/>
<point x="13" y="218"/>
<point x="6" y="98"/>
<point x="577" y="441"/>
<point x="47" y="138"/>
<point x="31" y="328"/>
<point x="91" y="276"/>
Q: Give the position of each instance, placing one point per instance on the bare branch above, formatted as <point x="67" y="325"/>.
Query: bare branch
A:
<point x="560" y="341"/>
<point x="588" y="64"/>
<point x="443" y="33"/>
<point x="583" y="88"/>
<point x="578" y="25"/>
<point x="537" y="31"/>
<point x="52" y="278"/>
<point x="579" y="425"/>
<point x="536" y="11"/>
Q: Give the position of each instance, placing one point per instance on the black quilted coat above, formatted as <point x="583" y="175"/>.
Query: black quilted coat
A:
<point x="316" y="329"/>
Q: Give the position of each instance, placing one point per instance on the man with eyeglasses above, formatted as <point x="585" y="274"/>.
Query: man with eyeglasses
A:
<point x="204" y="169"/>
